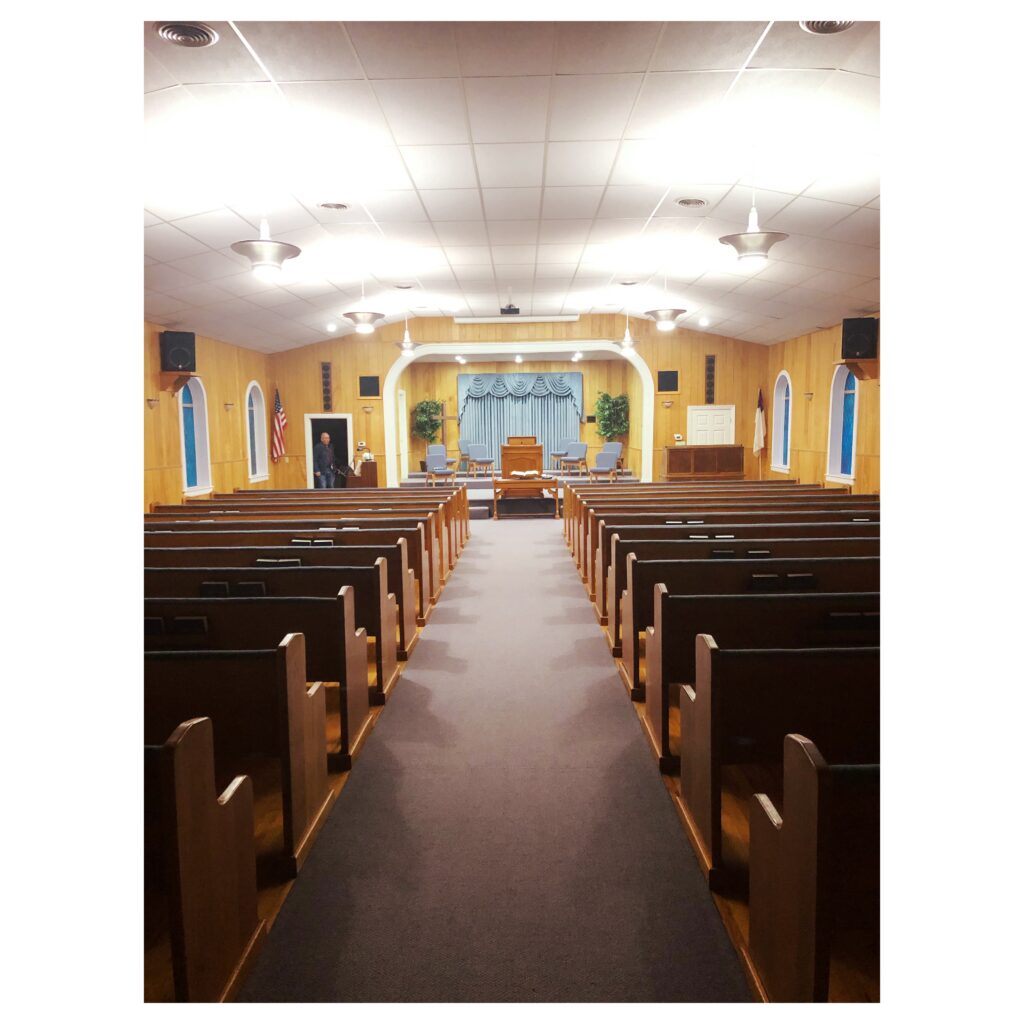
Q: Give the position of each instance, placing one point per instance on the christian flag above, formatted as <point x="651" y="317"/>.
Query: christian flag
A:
<point x="280" y="422"/>
<point x="759" y="425"/>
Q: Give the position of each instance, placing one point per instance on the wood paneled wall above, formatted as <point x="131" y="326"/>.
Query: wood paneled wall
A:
<point x="225" y="371"/>
<point x="440" y="381"/>
<point x="810" y="361"/>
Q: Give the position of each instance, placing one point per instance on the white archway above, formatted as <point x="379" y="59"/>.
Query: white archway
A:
<point x="528" y="350"/>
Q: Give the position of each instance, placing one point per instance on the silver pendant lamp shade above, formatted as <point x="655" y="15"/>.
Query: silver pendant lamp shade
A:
<point x="266" y="255"/>
<point x="364" y="321"/>
<point x="665" y="319"/>
<point x="753" y="244"/>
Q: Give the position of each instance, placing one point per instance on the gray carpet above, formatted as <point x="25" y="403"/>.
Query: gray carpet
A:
<point x="505" y="835"/>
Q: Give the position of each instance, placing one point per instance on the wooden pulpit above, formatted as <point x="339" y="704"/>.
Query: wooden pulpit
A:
<point x="521" y="457"/>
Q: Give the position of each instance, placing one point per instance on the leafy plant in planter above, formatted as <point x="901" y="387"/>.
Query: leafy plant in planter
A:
<point x="612" y="415"/>
<point x="426" y="419"/>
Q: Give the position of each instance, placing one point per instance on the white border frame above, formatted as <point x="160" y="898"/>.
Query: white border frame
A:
<point x="832" y="476"/>
<point x="528" y="350"/>
<point x="403" y="432"/>
<point x="202" y="486"/>
<point x="780" y="467"/>
<point x="262" y="464"/>
<point x="307" y="424"/>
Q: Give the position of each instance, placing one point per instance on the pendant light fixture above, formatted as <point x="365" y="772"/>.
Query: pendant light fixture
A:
<point x="627" y="338"/>
<point x="665" y="319"/>
<point x="267" y="256"/>
<point x="753" y="244"/>
<point x="407" y="345"/>
<point x="364" y="321"/>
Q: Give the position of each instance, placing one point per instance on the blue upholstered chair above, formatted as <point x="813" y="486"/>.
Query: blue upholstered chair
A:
<point x="479" y="459"/>
<point x="438" y="469"/>
<point x="439" y="449"/>
<point x="463" y="455"/>
<point x="614" y="448"/>
<point x="575" y="456"/>
<point x="605" y="464"/>
<point x="563" y="450"/>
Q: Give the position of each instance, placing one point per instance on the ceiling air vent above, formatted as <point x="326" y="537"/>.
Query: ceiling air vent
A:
<point x="691" y="204"/>
<point x="825" y="28"/>
<point x="187" y="33"/>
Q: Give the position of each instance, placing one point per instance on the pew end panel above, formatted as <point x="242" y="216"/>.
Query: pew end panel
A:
<point x="209" y="857"/>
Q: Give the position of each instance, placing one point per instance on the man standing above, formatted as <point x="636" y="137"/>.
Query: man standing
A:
<point x="323" y="462"/>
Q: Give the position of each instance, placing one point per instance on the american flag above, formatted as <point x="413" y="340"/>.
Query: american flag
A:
<point x="280" y="422"/>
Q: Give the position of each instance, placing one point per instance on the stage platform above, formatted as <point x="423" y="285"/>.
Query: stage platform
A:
<point x="481" y="493"/>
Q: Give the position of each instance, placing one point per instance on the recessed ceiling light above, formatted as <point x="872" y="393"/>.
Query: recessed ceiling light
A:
<point x="627" y="284"/>
<point x="332" y="327"/>
<point x="404" y="287"/>
<point x="333" y="206"/>
<point x="825" y="28"/>
<point x="703" y="321"/>
<point x="691" y="204"/>
<point x="519" y="359"/>
<point x="187" y="33"/>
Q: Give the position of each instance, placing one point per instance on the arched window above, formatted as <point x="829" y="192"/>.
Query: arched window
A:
<point x="842" y="426"/>
<point x="781" y="412"/>
<point x="256" y="432"/>
<point x="195" y="437"/>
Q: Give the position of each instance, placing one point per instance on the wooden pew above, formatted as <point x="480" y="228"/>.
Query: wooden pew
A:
<point x="814" y="879"/>
<point x="852" y="574"/>
<point x="307" y="540"/>
<point x="259" y="704"/>
<point x="376" y="610"/>
<point x="433" y="536"/>
<point x="401" y="579"/>
<point x="722" y="526"/>
<point x="673" y="549"/>
<point x="200" y="859"/>
<point x="335" y="648"/>
<point x="759" y="697"/>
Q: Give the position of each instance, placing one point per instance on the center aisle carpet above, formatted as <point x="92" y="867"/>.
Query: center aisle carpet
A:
<point x="504" y="835"/>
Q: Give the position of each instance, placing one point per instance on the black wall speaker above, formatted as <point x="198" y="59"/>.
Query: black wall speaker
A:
<point x="177" y="351"/>
<point x="860" y="338"/>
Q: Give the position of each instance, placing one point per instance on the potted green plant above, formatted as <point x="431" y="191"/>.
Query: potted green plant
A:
<point x="426" y="422"/>
<point x="612" y="415"/>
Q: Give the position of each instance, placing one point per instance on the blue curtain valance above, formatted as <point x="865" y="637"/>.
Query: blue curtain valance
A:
<point x="501" y="385"/>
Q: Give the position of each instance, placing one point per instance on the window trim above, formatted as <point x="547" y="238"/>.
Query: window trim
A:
<point x="262" y="463"/>
<point x="778" y="432"/>
<point x="201" y="420"/>
<point x="834" y="451"/>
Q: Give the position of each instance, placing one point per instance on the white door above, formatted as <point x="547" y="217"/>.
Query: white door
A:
<point x="403" y="435"/>
<point x="711" y="424"/>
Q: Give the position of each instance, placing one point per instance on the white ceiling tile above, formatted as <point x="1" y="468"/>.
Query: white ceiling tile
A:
<point x="346" y="110"/>
<point x="198" y="294"/>
<point x="227" y="61"/>
<point x="807" y="298"/>
<point x="165" y="242"/>
<point x="557" y="271"/>
<point x="512" y="203"/>
<point x="424" y="112"/>
<point x="758" y="289"/>
<point x="512" y="232"/>
<point x="271" y="297"/>
<point x="787" y="45"/>
<point x="592" y="106"/>
<point x="473" y="232"/>
<point x="868" y="292"/>
<point x="566" y="253"/>
<point x="507" y="165"/>
<point x="785" y="273"/>
<point x="460" y="255"/>
<point x="865" y="59"/>
<point x="405" y="49"/>
<point x="158" y="304"/>
<point x="862" y="227"/>
<point x="403" y="205"/>
<point x="441" y="166"/>
<point x="835" y="282"/>
<point x="282" y="212"/>
<point x="678" y="109"/>
<point x="155" y="75"/>
<point x="505" y="254"/>
<point x="702" y="46"/>
<point x="302" y="51"/>
<point x="579" y="163"/>
<point x="854" y="183"/>
<point x="243" y="284"/>
<point x="734" y="209"/>
<point x="601" y="47"/>
<point x="606" y="230"/>
<point x="568" y="203"/>
<point x="474" y="273"/>
<point x="312" y="288"/>
<point x="410" y="233"/>
<point x="507" y="109"/>
<point x="564" y="230"/>
<point x="453" y="204"/>
<point x="217" y="229"/>
<point x="210" y="266"/>
<point x="828" y="255"/>
<point x="149" y="219"/>
<point x="298" y="307"/>
<point x="805" y="216"/>
<point x="505" y="48"/>
<point x="630" y="201"/>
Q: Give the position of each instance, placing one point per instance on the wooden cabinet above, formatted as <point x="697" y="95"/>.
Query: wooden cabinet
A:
<point x="702" y="461"/>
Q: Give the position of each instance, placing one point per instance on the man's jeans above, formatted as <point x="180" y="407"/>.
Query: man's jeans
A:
<point x="325" y="479"/>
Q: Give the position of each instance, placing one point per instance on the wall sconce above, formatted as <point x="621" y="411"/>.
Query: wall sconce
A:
<point x="667" y="404"/>
<point x="228" y="406"/>
<point x="152" y="402"/>
<point x="367" y="409"/>
<point x="808" y="395"/>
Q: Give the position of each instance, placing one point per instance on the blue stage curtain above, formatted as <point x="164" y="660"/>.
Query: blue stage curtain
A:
<point x="493" y="406"/>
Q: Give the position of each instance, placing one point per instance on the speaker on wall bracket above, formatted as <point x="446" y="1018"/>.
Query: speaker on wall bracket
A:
<point x="177" y="352"/>
<point x="860" y="346"/>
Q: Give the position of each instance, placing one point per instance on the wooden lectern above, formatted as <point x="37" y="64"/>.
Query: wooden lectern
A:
<point x="518" y="456"/>
<point x="521" y="439"/>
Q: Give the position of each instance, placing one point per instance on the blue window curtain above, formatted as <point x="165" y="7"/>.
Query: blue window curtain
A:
<point x="188" y="422"/>
<point x="253" y="470"/>
<point x="849" y="397"/>
<point x="785" y="430"/>
<point x="493" y="406"/>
